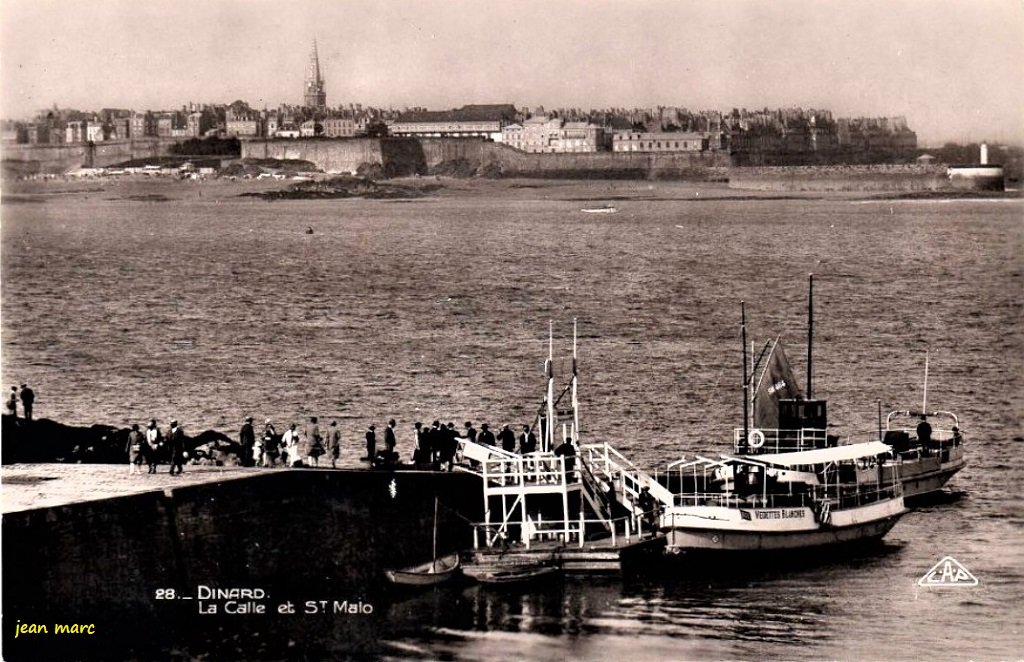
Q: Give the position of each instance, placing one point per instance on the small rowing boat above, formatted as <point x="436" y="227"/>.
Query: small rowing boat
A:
<point x="604" y="209"/>
<point x="513" y="576"/>
<point x="426" y="574"/>
<point x="431" y="573"/>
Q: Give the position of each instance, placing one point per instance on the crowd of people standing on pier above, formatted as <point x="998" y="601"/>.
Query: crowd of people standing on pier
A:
<point x="434" y="447"/>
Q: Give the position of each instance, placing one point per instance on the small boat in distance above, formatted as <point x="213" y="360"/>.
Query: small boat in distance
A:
<point x="430" y="573"/>
<point x="603" y="209"/>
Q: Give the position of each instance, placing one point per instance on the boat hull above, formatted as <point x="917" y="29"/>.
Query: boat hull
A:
<point x="929" y="474"/>
<point x="695" y="531"/>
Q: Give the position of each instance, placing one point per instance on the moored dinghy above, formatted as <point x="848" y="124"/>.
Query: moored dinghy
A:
<point x="430" y="573"/>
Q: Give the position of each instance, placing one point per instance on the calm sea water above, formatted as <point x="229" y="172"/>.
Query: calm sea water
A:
<point x="210" y="307"/>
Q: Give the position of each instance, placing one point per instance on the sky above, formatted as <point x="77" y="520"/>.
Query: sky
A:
<point x="954" y="69"/>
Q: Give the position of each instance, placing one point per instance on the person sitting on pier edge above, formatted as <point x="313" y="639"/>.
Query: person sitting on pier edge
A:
<point x="314" y="442"/>
<point x="135" y="450"/>
<point x="12" y="403"/>
<point x="269" y="443"/>
<point x="154" y="445"/>
<point x="334" y="440"/>
<point x="486" y="437"/>
<point x="527" y="441"/>
<point x="470" y="431"/>
<point x="176" y="446"/>
<point x="371" y="444"/>
<point x="568" y="450"/>
<point x="247" y="439"/>
<point x="648" y="510"/>
<point x="924" y="434"/>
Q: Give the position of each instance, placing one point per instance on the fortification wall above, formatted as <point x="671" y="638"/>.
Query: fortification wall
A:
<point x="32" y="159"/>
<point x="406" y="156"/>
<point x="841" y="178"/>
<point x="330" y="155"/>
<point x="298" y="534"/>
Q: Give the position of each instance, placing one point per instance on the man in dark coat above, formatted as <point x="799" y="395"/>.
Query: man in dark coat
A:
<point x="390" y="441"/>
<point x="568" y="451"/>
<point x="507" y="438"/>
<point x="470" y="431"/>
<point x="486" y="437"/>
<point x="176" y="446"/>
<point x="371" y="444"/>
<point x="436" y="440"/>
<point x="527" y="441"/>
<point x="247" y="439"/>
<point x="27" y="398"/>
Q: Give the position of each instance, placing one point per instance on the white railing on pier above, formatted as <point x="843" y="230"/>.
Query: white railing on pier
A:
<point x="625" y="478"/>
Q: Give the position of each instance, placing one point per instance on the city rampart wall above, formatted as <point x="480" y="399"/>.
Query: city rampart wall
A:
<point x="33" y="159"/>
<point x="841" y="178"/>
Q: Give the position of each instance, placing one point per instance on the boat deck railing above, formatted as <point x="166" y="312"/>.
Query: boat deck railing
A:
<point x="847" y="495"/>
<point x="778" y="440"/>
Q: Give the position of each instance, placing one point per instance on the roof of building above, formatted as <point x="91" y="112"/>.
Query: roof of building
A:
<point x="472" y="113"/>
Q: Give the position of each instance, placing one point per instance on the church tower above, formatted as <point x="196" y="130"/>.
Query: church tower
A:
<point x="315" y="95"/>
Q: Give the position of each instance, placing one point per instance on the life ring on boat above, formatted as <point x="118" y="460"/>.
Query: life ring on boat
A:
<point x="755" y="439"/>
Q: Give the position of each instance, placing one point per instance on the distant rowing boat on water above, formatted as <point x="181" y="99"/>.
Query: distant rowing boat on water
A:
<point x="603" y="209"/>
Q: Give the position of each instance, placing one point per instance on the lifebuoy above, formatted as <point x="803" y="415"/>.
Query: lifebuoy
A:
<point x="755" y="439"/>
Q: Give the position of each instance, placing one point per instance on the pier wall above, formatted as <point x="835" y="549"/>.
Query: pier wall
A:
<point x="33" y="159"/>
<point x="298" y="534"/>
<point x="841" y="178"/>
<point x="407" y="156"/>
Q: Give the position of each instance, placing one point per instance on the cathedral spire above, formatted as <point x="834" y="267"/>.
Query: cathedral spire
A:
<point x="315" y="94"/>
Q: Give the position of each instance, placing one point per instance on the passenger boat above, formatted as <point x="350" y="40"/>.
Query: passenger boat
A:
<point x="604" y="209"/>
<point x="783" y="501"/>
<point x="784" y="420"/>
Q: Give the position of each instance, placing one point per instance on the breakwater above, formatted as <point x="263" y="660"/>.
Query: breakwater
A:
<point x="407" y="156"/>
<point x="297" y="535"/>
<point x="841" y="178"/>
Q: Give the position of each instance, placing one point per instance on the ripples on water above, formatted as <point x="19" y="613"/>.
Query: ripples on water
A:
<point x="208" y="309"/>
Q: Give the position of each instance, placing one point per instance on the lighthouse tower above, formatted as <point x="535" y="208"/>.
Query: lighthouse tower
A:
<point x="315" y="95"/>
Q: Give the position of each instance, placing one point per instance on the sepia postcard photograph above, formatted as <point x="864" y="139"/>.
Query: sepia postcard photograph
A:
<point x="591" y="330"/>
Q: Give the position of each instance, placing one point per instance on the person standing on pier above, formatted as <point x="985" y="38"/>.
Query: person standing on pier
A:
<point x="247" y="438"/>
<point x="568" y="451"/>
<point x="334" y="439"/>
<point x="269" y="444"/>
<point x="27" y="398"/>
<point x="154" y="441"/>
<point x="420" y="455"/>
<point x="507" y="438"/>
<point x="435" y="440"/>
<point x="290" y="447"/>
<point x="470" y="431"/>
<point x="135" y="450"/>
<point x="486" y="437"/>
<point x="12" y="403"/>
<point x="390" y="441"/>
<point x="527" y="441"/>
<point x="314" y="442"/>
<point x="176" y="444"/>
<point x="371" y="444"/>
